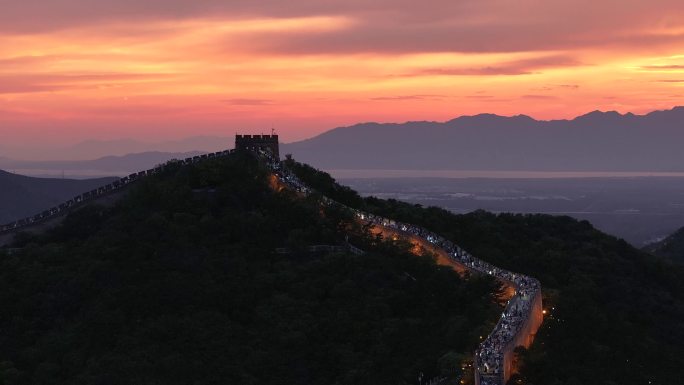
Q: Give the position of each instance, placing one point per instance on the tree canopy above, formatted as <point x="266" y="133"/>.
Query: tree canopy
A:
<point x="179" y="283"/>
<point x="614" y="313"/>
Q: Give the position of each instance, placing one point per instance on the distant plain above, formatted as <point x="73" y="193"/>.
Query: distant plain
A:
<point x="640" y="209"/>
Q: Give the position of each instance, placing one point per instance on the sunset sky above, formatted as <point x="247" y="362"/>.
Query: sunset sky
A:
<point x="72" y="70"/>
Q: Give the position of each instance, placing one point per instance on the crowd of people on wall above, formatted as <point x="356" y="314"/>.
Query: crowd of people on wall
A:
<point x="490" y="354"/>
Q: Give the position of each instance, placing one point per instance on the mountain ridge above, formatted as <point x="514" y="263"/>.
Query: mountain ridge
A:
<point x="23" y="196"/>
<point x="107" y="164"/>
<point x="492" y="142"/>
<point x="138" y="272"/>
<point x="94" y="148"/>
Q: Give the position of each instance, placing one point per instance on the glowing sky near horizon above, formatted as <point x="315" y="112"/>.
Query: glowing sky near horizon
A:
<point x="72" y="70"/>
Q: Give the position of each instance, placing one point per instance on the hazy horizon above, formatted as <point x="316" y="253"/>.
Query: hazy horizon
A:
<point x="640" y="210"/>
<point x="89" y="148"/>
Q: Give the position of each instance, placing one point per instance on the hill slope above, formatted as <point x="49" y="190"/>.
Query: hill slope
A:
<point x="22" y="196"/>
<point x="119" y="165"/>
<point x="179" y="284"/>
<point x="598" y="141"/>
<point x="614" y="313"/>
<point x="671" y="247"/>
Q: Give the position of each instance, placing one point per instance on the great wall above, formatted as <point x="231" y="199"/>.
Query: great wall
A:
<point x="493" y="359"/>
<point x="51" y="214"/>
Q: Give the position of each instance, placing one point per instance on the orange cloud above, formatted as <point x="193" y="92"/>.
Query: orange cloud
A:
<point x="70" y="71"/>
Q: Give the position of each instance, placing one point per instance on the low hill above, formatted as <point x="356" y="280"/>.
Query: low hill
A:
<point x="93" y="149"/>
<point x="22" y="196"/>
<point x="671" y="247"/>
<point x="179" y="283"/>
<point x="598" y="141"/>
<point x="108" y="165"/>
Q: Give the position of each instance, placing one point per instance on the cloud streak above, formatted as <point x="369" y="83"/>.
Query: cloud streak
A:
<point x="663" y="67"/>
<point x="91" y="68"/>
<point x="248" y="102"/>
<point x="37" y="82"/>
<point x="390" y="26"/>
<point x="517" y="67"/>
<point x="408" y="97"/>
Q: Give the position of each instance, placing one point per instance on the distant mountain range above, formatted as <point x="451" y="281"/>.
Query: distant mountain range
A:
<point x="22" y="196"/>
<point x="598" y="141"/>
<point x="108" y="165"/>
<point x="93" y="149"/>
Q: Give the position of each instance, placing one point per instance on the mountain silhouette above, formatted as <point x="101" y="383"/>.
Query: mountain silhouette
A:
<point x="23" y="196"/>
<point x="597" y="141"/>
<point x="107" y="164"/>
<point x="93" y="149"/>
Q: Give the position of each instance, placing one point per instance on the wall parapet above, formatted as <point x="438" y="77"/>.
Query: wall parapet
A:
<point x="258" y="143"/>
<point x="89" y="196"/>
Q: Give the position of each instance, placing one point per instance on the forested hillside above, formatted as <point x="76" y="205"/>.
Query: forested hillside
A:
<point x="179" y="284"/>
<point x="614" y="313"/>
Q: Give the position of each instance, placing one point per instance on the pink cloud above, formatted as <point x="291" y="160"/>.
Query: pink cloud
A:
<point x="32" y="83"/>
<point x="248" y="102"/>
<point x="517" y="67"/>
<point x="390" y="26"/>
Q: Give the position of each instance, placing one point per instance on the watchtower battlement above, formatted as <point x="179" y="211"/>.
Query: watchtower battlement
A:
<point x="267" y="143"/>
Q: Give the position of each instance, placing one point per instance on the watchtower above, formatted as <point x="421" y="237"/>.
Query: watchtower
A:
<point x="268" y="143"/>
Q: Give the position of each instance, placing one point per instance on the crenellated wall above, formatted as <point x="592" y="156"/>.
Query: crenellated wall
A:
<point x="259" y="143"/>
<point x="522" y="315"/>
<point x="48" y="216"/>
<point x="524" y="337"/>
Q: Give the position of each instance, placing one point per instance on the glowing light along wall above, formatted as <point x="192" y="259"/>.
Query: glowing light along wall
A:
<point x="523" y="337"/>
<point x="521" y="318"/>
